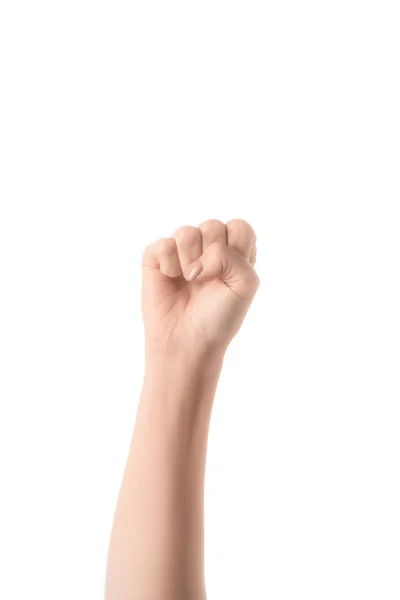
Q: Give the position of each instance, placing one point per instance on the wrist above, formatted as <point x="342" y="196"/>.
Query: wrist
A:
<point x="186" y="378"/>
<point x="187" y="363"/>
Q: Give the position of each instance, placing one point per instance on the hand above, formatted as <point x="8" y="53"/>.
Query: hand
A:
<point x="183" y="314"/>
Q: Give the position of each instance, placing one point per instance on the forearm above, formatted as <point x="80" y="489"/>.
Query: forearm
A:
<point x="157" y="542"/>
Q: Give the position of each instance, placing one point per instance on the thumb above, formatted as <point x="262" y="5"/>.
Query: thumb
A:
<point x="220" y="261"/>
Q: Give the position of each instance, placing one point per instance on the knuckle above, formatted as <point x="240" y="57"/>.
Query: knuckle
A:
<point x="166" y="246"/>
<point x="157" y="248"/>
<point x="186" y="232"/>
<point x="148" y="250"/>
<point x="216" y="247"/>
<point x="212" y="225"/>
<point x="241" y="226"/>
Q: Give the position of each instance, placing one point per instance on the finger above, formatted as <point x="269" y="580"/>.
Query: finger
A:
<point x="253" y="255"/>
<point x="212" y="231"/>
<point x="220" y="261"/>
<point x="163" y="255"/>
<point x="189" y="245"/>
<point x="241" y="236"/>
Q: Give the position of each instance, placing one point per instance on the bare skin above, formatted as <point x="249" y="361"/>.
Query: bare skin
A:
<point x="156" y="549"/>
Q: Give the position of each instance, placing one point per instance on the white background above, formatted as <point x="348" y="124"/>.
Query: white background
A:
<point x="121" y="121"/>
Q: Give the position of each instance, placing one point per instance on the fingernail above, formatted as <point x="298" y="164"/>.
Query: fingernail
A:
<point x="194" y="271"/>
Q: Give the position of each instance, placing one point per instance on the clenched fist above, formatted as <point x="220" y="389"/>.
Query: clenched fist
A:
<point x="198" y="286"/>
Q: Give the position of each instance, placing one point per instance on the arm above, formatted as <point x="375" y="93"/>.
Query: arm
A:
<point x="156" y="547"/>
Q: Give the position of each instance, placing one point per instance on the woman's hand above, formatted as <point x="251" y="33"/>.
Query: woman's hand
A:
<point x="183" y="314"/>
<point x="157" y="540"/>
